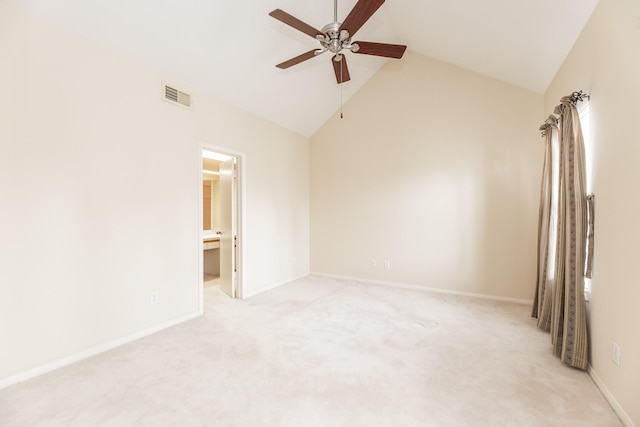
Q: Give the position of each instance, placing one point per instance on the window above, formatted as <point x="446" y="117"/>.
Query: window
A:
<point x="585" y="124"/>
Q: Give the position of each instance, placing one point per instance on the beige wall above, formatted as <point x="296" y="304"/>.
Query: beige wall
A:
<point x="605" y="62"/>
<point x="436" y="169"/>
<point x="277" y="205"/>
<point x="80" y="256"/>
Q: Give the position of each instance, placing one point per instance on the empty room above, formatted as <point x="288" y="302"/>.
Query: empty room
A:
<point x="319" y="213"/>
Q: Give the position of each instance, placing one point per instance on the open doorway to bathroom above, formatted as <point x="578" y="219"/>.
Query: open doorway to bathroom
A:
<point x="221" y="220"/>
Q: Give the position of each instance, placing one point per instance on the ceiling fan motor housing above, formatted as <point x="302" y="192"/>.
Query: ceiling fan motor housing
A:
<point x="335" y="40"/>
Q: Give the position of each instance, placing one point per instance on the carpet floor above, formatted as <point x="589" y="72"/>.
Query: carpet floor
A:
<point x="323" y="352"/>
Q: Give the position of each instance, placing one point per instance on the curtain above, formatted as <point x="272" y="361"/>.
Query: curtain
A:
<point x="546" y="248"/>
<point x="559" y="302"/>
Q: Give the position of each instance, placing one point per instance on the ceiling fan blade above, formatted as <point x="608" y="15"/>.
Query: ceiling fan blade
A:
<point x="298" y="59"/>
<point x="294" y="22"/>
<point x="341" y="69"/>
<point x="360" y="14"/>
<point x="381" y="49"/>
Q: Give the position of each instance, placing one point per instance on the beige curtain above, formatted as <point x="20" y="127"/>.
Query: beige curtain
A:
<point x="546" y="249"/>
<point x="559" y="301"/>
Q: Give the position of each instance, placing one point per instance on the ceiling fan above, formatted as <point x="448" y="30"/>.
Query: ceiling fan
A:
<point x="336" y="37"/>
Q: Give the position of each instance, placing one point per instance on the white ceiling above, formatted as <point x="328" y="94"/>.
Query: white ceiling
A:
<point x="229" y="49"/>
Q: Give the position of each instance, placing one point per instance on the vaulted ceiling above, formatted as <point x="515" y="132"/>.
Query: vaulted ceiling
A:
<point x="229" y="49"/>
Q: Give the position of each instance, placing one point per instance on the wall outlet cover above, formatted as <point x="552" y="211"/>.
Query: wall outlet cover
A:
<point x="615" y="353"/>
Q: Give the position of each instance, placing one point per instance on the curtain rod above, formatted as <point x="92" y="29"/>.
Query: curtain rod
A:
<point x="575" y="97"/>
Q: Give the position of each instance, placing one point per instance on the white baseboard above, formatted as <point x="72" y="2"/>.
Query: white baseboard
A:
<point x="85" y="354"/>
<point x="428" y="289"/>
<point x="269" y="287"/>
<point x="609" y="397"/>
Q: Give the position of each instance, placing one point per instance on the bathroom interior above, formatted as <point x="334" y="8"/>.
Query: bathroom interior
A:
<point x="220" y="221"/>
<point x="211" y="218"/>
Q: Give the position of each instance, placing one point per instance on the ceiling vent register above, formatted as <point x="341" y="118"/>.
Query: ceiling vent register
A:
<point x="175" y="96"/>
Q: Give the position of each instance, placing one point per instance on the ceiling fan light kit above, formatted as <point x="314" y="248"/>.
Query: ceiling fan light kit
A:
<point x="335" y="37"/>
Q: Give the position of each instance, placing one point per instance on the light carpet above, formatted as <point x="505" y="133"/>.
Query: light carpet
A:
<point x="323" y="352"/>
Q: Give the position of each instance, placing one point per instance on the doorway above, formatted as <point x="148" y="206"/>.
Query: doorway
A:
<point x="221" y="220"/>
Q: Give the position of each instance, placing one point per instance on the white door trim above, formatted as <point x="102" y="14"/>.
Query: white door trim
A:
<point x="241" y="159"/>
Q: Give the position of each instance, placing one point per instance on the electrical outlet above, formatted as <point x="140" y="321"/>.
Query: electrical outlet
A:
<point x="374" y="264"/>
<point x="387" y="264"/>
<point x="155" y="297"/>
<point x="615" y="353"/>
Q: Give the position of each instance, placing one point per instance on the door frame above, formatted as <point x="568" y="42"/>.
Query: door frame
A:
<point x="241" y="162"/>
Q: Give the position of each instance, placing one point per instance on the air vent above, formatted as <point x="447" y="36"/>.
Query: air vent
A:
<point x="175" y="96"/>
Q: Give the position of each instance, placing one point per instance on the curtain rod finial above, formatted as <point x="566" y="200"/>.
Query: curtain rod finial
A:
<point x="579" y="97"/>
